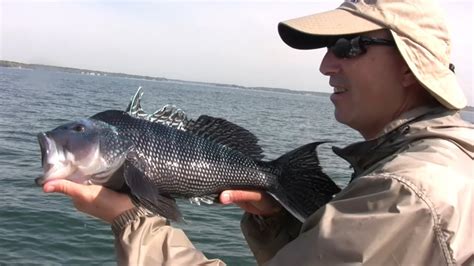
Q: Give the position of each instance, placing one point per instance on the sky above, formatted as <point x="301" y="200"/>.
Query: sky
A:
<point x="231" y="42"/>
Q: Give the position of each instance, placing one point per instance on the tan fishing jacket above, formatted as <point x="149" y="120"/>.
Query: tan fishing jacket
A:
<point x="410" y="202"/>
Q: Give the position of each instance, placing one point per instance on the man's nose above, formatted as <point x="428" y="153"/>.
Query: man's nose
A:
<point x="330" y="64"/>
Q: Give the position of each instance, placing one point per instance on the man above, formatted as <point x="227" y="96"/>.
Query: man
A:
<point x="410" y="200"/>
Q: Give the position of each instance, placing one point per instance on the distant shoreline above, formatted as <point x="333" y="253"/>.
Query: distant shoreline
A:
<point x="13" y="64"/>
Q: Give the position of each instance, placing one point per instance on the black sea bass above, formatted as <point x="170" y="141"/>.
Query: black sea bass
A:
<point x="159" y="157"/>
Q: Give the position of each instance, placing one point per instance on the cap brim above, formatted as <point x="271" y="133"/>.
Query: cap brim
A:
<point x="311" y="32"/>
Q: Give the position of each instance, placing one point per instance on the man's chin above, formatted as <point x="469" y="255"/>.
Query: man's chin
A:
<point x="342" y="116"/>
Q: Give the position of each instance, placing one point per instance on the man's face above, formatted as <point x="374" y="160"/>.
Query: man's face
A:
<point x="368" y="90"/>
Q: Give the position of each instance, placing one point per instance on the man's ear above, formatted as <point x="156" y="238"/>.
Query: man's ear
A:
<point x="408" y="78"/>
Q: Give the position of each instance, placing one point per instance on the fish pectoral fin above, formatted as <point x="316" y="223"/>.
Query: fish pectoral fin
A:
<point x="143" y="188"/>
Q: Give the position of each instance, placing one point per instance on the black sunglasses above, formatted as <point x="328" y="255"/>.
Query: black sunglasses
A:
<point x="343" y="47"/>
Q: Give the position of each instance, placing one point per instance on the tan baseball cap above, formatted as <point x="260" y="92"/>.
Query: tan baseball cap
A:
<point x="417" y="26"/>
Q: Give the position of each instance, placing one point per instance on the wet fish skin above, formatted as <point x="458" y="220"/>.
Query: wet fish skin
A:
<point x="157" y="163"/>
<point x="183" y="164"/>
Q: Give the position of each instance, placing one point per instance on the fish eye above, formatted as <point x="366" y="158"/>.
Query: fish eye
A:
<point x="79" y="128"/>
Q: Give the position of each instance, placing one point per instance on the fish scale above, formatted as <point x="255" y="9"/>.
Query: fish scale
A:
<point x="157" y="158"/>
<point x="172" y="153"/>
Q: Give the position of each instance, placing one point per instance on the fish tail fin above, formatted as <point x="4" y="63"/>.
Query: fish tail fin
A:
<point x="301" y="185"/>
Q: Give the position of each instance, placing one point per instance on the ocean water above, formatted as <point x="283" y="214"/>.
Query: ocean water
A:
<point x="41" y="229"/>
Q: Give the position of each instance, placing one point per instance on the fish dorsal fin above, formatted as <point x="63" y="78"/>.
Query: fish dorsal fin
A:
<point x="227" y="133"/>
<point x="171" y="116"/>
<point x="134" y="108"/>
<point x="168" y="115"/>
<point x="216" y="129"/>
<point x="109" y="116"/>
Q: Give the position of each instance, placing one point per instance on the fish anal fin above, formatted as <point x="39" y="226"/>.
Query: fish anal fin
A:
<point x="208" y="199"/>
<point x="143" y="188"/>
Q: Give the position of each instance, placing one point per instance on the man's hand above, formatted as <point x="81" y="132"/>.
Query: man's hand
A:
<point x="256" y="202"/>
<point x="107" y="204"/>
<point x="94" y="200"/>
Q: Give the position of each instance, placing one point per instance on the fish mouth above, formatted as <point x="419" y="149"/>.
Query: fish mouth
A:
<point x="59" y="163"/>
<point x="47" y="147"/>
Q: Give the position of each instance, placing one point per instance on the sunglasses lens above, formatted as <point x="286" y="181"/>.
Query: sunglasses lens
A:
<point x="350" y="47"/>
<point x="341" y="48"/>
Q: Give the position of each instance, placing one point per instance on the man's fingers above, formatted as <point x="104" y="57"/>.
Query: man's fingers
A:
<point x="66" y="187"/>
<point x="94" y="200"/>
<point x="256" y="202"/>
<point x="236" y="196"/>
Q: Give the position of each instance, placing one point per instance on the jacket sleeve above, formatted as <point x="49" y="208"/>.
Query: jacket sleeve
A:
<point x="141" y="239"/>
<point x="266" y="235"/>
<point x="375" y="220"/>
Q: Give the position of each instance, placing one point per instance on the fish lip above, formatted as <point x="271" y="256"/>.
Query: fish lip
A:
<point x="40" y="181"/>
<point x="45" y="146"/>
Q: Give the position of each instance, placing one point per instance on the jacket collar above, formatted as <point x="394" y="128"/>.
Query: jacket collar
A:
<point x="396" y="135"/>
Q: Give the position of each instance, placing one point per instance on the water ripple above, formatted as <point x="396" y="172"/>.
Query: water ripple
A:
<point x="40" y="229"/>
